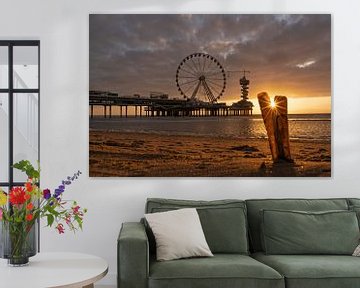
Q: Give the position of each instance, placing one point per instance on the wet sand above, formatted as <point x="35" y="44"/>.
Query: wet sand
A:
<point x="114" y="154"/>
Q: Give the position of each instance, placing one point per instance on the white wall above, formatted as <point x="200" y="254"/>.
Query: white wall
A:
<point x="62" y="27"/>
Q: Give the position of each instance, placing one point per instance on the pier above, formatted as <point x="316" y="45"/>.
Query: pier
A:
<point x="160" y="106"/>
<point x="200" y="80"/>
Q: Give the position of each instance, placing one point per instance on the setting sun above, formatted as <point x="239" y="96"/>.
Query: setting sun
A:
<point x="272" y="103"/>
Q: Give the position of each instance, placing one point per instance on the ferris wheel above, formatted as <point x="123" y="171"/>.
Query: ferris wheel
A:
<point x="201" y="77"/>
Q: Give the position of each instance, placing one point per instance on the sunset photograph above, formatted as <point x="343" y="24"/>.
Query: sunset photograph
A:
<point x="210" y="95"/>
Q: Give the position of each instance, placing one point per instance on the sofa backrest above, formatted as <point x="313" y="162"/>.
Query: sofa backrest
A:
<point x="353" y="202"/>
<point x="256" y="205"/>
<point x="223" y="221"/>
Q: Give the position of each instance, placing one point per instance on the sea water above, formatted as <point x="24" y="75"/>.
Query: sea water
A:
<point x="314" y="127"/>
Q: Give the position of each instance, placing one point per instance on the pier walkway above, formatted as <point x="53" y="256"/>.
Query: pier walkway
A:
<point x="155" y="107"/>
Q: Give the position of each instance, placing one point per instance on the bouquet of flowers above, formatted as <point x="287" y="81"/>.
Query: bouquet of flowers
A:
<point x="23" y="206"/>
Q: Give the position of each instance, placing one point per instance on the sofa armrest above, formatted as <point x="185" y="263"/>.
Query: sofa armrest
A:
<point x="133" y="256"/>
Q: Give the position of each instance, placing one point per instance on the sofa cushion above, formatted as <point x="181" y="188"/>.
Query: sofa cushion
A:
<point x="297" y="232"/>
<point x="222" y="270"/>
<point x="353" y="201"/>
<point x="254" y="216"/>
<point x="354" y="205"/>
<point x="223" y="221"/>
<point x="313" y="271"/>
<point x="356" y="209"/>
<point x="178" y="234"/>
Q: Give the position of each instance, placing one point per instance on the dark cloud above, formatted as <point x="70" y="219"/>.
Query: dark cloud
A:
<point x="140" y="53"/>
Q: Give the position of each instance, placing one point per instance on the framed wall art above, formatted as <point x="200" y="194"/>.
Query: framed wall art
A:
<point x="237" y="95"/>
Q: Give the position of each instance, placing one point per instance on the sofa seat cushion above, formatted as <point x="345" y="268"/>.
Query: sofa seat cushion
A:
<point x="313" y="271"/>
<point x="222" y="270"/>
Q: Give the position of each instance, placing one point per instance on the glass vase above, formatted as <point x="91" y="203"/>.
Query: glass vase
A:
<point x="18" y="242"/>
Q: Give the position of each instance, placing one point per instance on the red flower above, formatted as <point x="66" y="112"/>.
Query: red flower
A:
<point x="29" y="206"/>
<point x="60" y="228"/>
<point x="17" y="196"/>
<point x="27" y="196"/>
<point x="29" y="186"/>
<point x="29" y="217"/>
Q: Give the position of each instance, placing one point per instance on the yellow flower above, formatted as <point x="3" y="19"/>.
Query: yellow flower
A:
<point x="3" y="198"/>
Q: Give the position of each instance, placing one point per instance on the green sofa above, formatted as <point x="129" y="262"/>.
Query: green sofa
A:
<point x="233" y="230"/>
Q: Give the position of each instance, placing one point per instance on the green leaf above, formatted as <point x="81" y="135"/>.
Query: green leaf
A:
<point x="26" y="167"/>
<point x="50" y="219"/>
<point x="79" y="221"/>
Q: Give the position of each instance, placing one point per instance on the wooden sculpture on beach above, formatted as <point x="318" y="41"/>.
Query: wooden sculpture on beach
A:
<point x="276" y="124"/>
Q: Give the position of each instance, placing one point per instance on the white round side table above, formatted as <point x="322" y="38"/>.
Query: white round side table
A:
<point x="50" y="270"/>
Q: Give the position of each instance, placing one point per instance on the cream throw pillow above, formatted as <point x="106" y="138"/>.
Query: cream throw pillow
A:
<point x="178" y="234"/>
<point x="357" y="251"/>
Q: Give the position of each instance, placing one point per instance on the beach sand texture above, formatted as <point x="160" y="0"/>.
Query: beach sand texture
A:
<point x="125" y="154"/>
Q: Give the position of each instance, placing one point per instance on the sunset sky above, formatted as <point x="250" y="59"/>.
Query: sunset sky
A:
<point x="287" y="54"/>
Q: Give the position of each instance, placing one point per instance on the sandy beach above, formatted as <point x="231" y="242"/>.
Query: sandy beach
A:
<point x="114" y="154"/>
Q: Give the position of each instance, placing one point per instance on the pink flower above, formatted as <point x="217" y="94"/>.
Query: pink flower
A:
<point x="76" y="209"/>
<point x="60" y="228"/>
<point x="1" y="212"/>
<point x="68" y="219"/>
